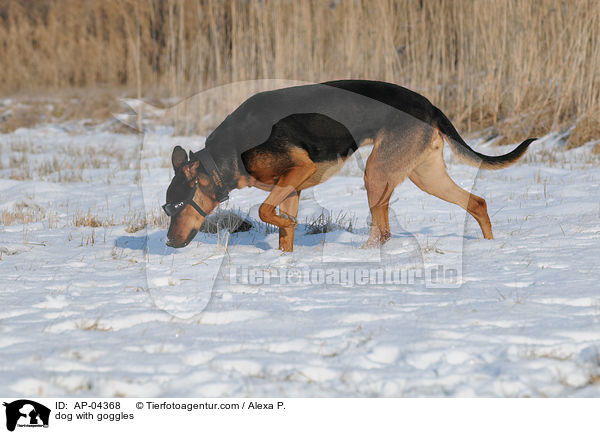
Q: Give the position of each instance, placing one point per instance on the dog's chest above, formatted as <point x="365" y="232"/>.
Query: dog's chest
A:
<point x="325" y="170"/>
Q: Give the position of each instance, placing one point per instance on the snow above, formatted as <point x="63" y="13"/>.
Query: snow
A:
<point x="100" y="311"/>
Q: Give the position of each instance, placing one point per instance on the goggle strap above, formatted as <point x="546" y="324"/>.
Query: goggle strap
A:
<point x="197" y="208"/>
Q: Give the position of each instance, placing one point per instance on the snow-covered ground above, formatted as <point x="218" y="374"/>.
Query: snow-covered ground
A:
<point x="94" y="306"/>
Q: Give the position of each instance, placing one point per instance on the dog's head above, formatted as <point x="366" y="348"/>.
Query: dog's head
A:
<point x="190" y="183"/>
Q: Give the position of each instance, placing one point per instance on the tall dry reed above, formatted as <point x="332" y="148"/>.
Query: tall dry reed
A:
<point x="522" y="67"/>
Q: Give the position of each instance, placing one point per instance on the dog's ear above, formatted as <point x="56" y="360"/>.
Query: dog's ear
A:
<point x="192" y="171"/>
<point x="178" y="158"/>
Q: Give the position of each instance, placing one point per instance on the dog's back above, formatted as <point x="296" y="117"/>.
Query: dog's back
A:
<point x="361" y="106"/>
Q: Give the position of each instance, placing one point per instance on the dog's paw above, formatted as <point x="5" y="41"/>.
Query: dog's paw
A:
<point x="289" y="221"/>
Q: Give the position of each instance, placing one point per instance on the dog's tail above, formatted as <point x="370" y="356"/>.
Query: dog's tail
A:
<point x="474" y="158"/>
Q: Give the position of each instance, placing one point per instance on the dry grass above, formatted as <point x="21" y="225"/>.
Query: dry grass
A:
<point x="25" y="212"/>
<point x="92" y="325"/>
<point x="66" y="162"/>
<point x="31" y="108"/>
<point x="136" y="226"/>
<point x="327" y="222"/>
<point x="90" y="220"/>
<point x="134" y="221"/>
<point x="24" y="116"/>
<point x="22" y="213"/>
<point x="526" y="66"/>
<point x="157" y="219"/>
<point x="586" y="130"/>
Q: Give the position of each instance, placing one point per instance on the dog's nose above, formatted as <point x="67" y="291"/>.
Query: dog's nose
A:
<point x="175" y="245"/>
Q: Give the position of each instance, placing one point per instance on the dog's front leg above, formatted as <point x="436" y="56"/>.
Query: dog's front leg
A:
<point x="286" y="196"/>
<point x="288" y="209"/>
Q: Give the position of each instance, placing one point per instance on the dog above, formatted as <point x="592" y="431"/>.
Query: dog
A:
<point x="286" y="140"/>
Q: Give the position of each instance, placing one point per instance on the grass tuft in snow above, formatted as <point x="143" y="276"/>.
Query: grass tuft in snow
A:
<point x="326" y="222"/>
<point x="228" y="220"/>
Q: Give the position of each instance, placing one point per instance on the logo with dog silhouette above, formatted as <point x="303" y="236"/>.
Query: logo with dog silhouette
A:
<point x="26" y="413"/>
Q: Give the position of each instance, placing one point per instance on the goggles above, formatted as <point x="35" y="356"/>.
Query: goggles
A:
<point x="174" y="208"/>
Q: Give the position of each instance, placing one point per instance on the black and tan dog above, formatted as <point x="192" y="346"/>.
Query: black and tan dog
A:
<point x="286" y="140"/>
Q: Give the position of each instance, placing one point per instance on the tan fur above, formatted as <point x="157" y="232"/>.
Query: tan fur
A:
<point x="431" y="177"/>
<point x="288" y="207"/>
<point x="397" y="153"/>
<point x="286" y="184"/>
<point x="325" y="170"/>
<point x="422" y="161"/>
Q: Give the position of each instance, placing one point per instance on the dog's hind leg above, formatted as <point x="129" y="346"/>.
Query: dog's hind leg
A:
<point x="379" y="191"/>
<point x="431" y="177"/>
<point x="396" y="151"/>
<point x="288" y="208"/>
